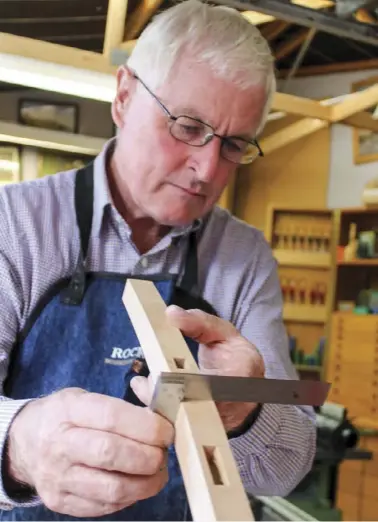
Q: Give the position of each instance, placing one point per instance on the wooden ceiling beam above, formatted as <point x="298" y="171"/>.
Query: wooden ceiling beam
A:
<point x="147" y="8"/>
<point x="301" y="106"/>
<point x="139" y="18"/>
<point x="313" y="70"/>
<point x="115" y="25"/>
<point x="291" y="44"/>
<point x="314" y="4"/>
<point x="291" y="133"/>
<point x="274" y="29"/>
<point x="355" y="103"/>
<point x="256" y="18"/>
<point x="362" y="120"/>
<point x="54" y="53"/>
<point x="363" y="16"/>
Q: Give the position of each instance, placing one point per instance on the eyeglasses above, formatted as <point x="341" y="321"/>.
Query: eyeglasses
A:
<point x="197" y="133"/>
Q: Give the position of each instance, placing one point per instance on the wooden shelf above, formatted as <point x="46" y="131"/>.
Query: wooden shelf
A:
<point x="50" y="139"/>
<point x="300" y="258"/>
<point x="304" y="313"/>
<point x="308" y="368"/>
<point x="359" y="262"/>
<point x="360" y="210"/>
<point x="366" y="423"/>
<point x="351" y="316"/>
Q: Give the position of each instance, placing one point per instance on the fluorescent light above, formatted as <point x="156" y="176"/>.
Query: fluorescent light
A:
<point x="57" y="78"/>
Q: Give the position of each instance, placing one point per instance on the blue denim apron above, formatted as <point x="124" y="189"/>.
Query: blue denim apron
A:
<point x="80" y="335"/>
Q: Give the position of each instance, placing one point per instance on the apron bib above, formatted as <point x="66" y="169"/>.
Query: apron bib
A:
<point x="80" y="335"/>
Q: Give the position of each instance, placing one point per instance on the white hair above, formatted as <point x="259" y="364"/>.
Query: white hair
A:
<point x="219" y="36"/>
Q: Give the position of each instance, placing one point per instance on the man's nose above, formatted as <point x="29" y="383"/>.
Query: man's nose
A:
<point x="208" y="160"/>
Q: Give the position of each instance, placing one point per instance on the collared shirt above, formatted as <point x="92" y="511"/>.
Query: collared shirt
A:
<point x="39" y="244"/>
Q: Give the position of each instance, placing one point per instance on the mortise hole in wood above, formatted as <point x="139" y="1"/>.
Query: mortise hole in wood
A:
<point x="216" y="466"/>
<point x="180" y="363"/>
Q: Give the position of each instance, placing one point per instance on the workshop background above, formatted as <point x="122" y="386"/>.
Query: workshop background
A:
<point x="314" y="194"/>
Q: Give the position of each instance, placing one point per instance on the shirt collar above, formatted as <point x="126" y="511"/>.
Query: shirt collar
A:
<point x="103" y="198"/>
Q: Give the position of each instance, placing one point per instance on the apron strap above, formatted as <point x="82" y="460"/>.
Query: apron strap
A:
<point x="189" y="279"/>
<point x="84" y="192"/>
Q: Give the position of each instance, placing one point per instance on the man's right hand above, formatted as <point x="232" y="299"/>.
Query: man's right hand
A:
<point x="87" y="454"/>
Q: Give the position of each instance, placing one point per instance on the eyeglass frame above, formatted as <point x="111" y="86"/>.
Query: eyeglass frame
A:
<point x="213" y="133"/>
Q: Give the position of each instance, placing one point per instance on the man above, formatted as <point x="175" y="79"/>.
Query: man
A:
<point x="77" y="440"/>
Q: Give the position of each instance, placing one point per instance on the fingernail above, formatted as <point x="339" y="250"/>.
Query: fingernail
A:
<point x="176" y="308"/>
<point x="136" y="381"/>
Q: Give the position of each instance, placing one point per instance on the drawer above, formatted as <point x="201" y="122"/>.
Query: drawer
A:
<point x="352" y="466"/>
<point x="352" y="372"/>
<point x="356" y="407"/>
<point x="370" y="486"/>
<point x="369" y="508"/>
<point x="350" y="481"/>
<point x="354" y="323"/>
<point x="371" y="443"/>
<point x="350" y="506"/>
<point x="346" y="352"/>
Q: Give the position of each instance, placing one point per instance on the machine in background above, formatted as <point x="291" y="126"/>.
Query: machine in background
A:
<point x="315" y="497"/>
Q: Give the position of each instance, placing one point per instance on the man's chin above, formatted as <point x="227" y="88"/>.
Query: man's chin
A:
<point x="179" y="218"/>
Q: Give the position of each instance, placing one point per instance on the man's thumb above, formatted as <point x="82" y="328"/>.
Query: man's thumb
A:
<point x="142" y="389"/>
<point x="200" y="326"/>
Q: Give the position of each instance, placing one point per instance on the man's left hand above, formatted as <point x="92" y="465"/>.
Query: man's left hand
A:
<point x="222" y="350"/>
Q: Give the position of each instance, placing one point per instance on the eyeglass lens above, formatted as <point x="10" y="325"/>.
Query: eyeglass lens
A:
<point x="197" y="134"/>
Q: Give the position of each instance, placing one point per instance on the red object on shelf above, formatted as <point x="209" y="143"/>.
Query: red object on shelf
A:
<point x="340" y="253"/>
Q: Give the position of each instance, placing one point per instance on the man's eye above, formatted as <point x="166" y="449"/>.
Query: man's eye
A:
<point x="233" y="146"/>
<point x="190" y="130"/>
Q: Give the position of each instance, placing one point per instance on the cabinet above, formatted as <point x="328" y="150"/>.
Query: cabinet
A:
<point x="352" y="352"/>
<point x="353" y="363"/>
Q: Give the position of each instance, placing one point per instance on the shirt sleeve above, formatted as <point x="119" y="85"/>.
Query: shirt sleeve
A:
<point x="10" y="320"/>
<point x="278" y="450"/>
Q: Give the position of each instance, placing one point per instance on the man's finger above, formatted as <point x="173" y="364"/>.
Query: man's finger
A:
<point x="142" y="388"/>
<point x="104" y="413"/>
<point x="112" y="488"/>
<point x="76" y="506"/>
<point x="112" y="452"/>
<point x="200" y="326"/>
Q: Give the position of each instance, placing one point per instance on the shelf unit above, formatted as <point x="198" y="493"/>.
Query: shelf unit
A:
<point x="350" y="360"/>
<point x="302" y="241"/>
<point x="351" y="364"/>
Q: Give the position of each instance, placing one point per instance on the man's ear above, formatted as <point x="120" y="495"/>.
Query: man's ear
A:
<point x="124" y="82"/>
